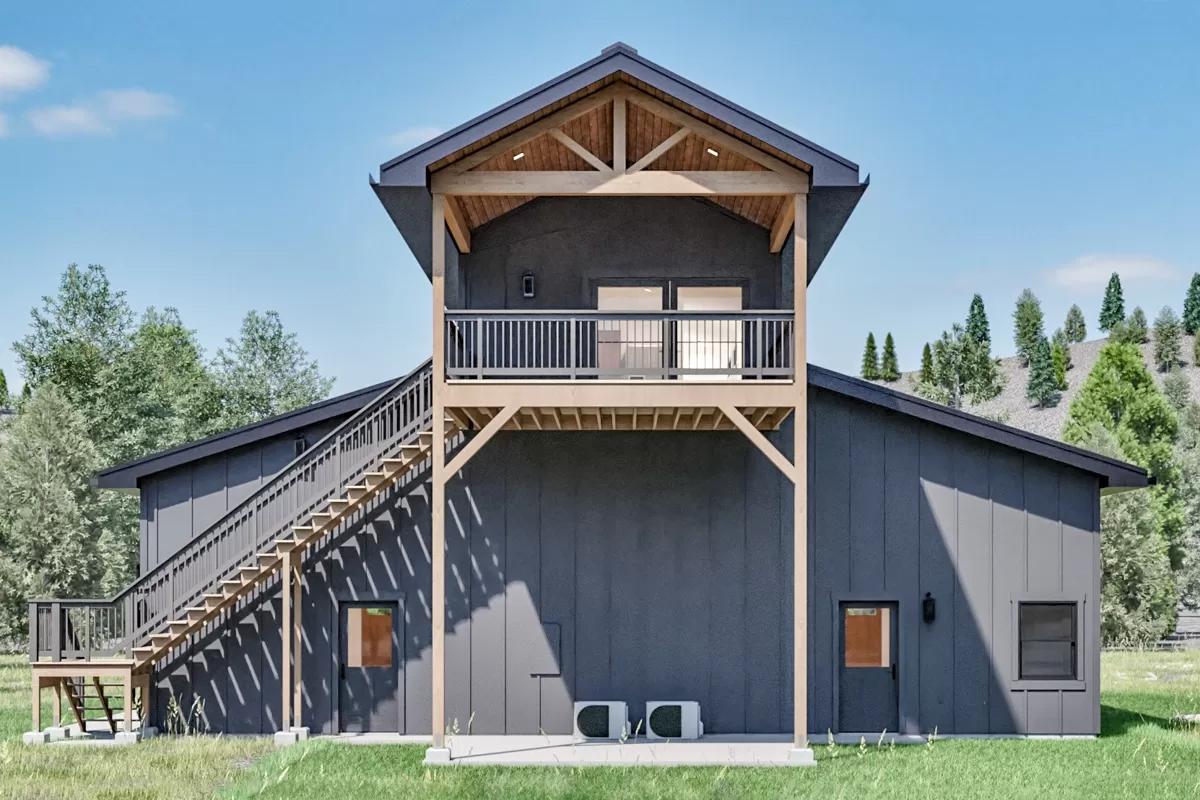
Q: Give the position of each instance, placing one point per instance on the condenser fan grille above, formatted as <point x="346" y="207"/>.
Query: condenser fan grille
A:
<point x="667" y="722"/>
<point x="592" y="721"/>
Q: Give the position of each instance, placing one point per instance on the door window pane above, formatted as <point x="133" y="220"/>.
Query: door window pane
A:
<point x="867" y="637"/>
<point x="709" y="344"/>
<point x="1048" y="641"/>
<point x="629" y="344"/>
<point x="369" y="637"/>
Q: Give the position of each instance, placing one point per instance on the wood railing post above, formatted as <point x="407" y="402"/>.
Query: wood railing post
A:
<point x="56" y="631"/>
<point x="34" y="632"/>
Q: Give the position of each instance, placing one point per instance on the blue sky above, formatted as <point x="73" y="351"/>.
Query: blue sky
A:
<point x="215" y="157"/>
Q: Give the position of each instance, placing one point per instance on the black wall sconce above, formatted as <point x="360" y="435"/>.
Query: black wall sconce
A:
<point x="527" y="285"/>
<point x="928" y="608"/>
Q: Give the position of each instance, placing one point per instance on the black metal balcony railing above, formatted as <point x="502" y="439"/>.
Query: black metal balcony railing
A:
<point x="698" y="345"/>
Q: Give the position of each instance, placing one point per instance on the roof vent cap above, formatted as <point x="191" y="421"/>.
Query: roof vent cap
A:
<point x="616" y="47"/>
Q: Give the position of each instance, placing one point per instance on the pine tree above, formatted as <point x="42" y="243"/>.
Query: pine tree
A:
<point x="1027" y="325"/>
<point x="1191" y="306"/>
<point x="3" y="390"/>
<point x="890" y="368"/>
<point x="1113" y="309"/>
<point x="1168" y="344"/>
<point x="977" y="321"/>
<point x="926" y="374"/>
<point x="870" y="360"/>
<point x="1075" y="326"/>
<point x="1061" y="358"/>
<point x="1043" y="386"/>
<point x="1060" y="338"/>
<point x="1177" y="390"/>
<point x="1137" y="327"/>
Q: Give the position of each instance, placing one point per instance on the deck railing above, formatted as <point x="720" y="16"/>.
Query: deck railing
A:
<point x="89" y="629"/>
<point x="697" y="345"/>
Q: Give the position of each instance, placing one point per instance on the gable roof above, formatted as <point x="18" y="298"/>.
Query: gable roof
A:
<point x="403" y="181"/>
<point x="1113" y="474"/>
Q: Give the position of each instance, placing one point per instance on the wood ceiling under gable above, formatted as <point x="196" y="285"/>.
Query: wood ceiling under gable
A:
<point x="592" y="130"/>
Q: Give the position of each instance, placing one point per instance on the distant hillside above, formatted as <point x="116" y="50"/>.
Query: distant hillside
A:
<point x="1011" y="407"/>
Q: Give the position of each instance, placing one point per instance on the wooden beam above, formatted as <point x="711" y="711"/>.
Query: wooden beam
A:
<point x="618" y="131"/>
<point x="127" y="705"/>
<point x="285" y="638"/>
<point x="37" y="702"/>
<point x="663" y="183"/>
<point x="579" y="150"/>
<point x="782" y="224"/>
<point x="438" y="500"/>
<point x="760" y="441"/>
<point x="532" y="131"/>
<point x="56" y="701"/>
<point x="712" y="134"/>
<point x="298" y="640"/>
<point x="479" y="440"/>
<point x="800" y="480"/>
<point x="460" y="231"/>
<point x="658" y="152"/>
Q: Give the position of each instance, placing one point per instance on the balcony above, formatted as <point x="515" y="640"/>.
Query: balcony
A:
<point x="703" y="346"/>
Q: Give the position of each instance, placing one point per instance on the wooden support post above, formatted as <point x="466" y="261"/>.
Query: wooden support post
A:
<point x="298" y="642"/>
<point x="56" y="700"/>
<point x="800" y="473"/>
<point x="285" y="637"/>
<point x="437" y="547"/>
<point x="37" y="702"/>
<point x="127" y="698"/>
<point x="619" y="163"/>
<point x="143" y="698"/>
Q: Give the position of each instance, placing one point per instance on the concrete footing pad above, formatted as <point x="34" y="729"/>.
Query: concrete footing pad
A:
<point x="437" y="755"/>
<point x="801" y="757"/>
<point x="59" y="733"/>
<point x="286" y="738"/>
<point x="35" y="737"/>
<point x="301" y="733"/>
<point x="126" y="737"/>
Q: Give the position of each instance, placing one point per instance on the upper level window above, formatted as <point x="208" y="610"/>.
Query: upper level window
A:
<point x="1049" y="638"/>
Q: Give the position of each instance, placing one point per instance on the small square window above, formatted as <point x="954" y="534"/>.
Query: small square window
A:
<point x="1048" y="634"/>
<point x="369" y="638"/>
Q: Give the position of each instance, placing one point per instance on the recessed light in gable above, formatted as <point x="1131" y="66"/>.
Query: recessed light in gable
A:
<point x="711" y="152"/>
<point x="518" y="156"/>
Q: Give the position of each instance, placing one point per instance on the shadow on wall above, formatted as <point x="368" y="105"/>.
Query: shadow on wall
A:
<point x="658" y="566"/>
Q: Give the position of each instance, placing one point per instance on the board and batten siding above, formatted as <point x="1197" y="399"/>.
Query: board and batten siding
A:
<point x="641" y="566"/>
<point x="180" y="503"/>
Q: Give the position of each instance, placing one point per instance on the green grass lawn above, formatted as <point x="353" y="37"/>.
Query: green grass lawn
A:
<point x="1141" y="754"/>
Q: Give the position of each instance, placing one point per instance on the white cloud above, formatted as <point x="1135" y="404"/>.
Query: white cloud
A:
<point x="121" y="104"/>
<point x="102" y="113"/>
<point x="1093" y="271"/>
<point x="411" y="137"/>
<point x="20" y="71"/>
<point x="66" y="121"/>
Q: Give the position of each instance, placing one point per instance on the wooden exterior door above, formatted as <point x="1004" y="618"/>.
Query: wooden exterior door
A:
<point x="868" y="674"/>
<point x="370" y="668"/>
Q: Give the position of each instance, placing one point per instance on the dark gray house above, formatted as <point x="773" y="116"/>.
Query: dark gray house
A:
<point x="602" y="446"/>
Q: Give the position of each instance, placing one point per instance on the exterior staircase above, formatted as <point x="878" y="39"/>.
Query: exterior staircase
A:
<point x="323" y="488"/>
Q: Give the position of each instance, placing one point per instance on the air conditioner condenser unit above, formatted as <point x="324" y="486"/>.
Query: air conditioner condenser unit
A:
<point x="673" y="719"/>
<point x="601" y="719"/>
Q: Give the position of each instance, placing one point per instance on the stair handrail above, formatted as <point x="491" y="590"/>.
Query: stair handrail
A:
<point x="138" y="617"/>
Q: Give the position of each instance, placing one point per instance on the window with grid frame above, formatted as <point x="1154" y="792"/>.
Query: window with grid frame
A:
<point x="1048" y="640"/>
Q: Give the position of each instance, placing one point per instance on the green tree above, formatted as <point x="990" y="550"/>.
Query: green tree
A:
<point x="870" y="360"/>
<point x="50" y="521"/>
<point x="1027" y="325"/>
<point x="1042" y="388"/>
<point x="73" y="338"/>
<point x="1060" y="357"/>
<point x="960" y="369"/>
<point x="265" y="372"/>
<point x="890" y="368"/>
<point x="1075" y="326"/>
<point x="3" y="390"/>
<point x="1191" y="306"/>
<point x="1188" y="459"/>
<point x="977" y="321"/>
<point x="926" y="374"/>
<point x="1168" y="344"/>
<point x="1137" y="326"/>
<point x="1177" y="390"/>
<point x="1112" y="311"/>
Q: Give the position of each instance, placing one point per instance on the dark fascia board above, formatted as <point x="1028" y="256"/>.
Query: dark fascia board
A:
<point x="126" y="476"/>
<point x="409" y="169"/>
<point x="1113" y="474"/>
